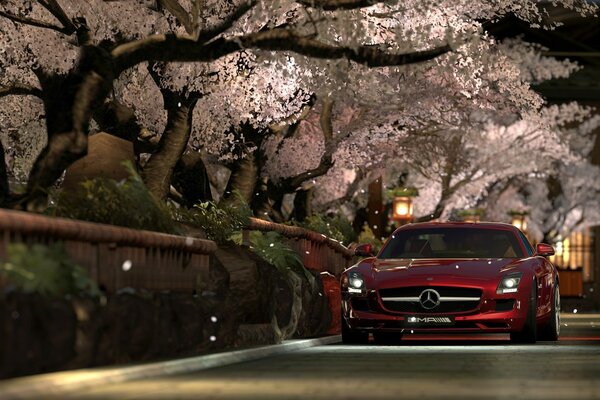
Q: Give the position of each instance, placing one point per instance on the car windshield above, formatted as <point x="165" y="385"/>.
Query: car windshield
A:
<point x="453" y="243"/>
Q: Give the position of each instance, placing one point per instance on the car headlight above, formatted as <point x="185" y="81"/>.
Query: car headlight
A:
<point x="509" y="284"/>
<point x="355" y="282"/>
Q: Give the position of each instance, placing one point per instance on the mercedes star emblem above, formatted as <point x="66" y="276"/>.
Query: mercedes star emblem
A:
<point x="429" y="299"/>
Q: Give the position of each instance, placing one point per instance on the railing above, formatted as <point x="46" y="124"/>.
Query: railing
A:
<point x="115" y="257"/>
<point x="118" y="258"/>
<point x="317" y="251"/>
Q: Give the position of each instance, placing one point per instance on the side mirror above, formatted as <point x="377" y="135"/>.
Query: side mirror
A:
<point x="364" y="250"/>
<point x="543" y="249"/>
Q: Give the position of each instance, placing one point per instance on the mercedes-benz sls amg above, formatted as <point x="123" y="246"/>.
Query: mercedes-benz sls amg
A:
<point x="452" y="278"/>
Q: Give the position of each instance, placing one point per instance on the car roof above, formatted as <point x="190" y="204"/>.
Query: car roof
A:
<point x="455" y="224"/>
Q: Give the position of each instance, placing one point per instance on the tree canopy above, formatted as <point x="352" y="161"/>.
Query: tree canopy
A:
<point x="306" y="97"/>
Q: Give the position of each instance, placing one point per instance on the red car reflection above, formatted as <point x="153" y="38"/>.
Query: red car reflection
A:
<point x="452" y="277"/>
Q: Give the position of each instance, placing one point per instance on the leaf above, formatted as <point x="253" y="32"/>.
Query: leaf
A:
<point x="46" y="270"/>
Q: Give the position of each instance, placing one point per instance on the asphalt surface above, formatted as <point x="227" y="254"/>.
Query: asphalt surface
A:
<point x="421" y="367"/>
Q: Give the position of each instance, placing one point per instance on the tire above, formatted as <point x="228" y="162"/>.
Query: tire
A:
<point x="350" y="336"/>
<point x="387" y="338"/>
<point x="529" y="332"/>
<point x="551" y="331"/>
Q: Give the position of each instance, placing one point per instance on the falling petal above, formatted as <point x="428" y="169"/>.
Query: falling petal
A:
<point x="127" y="265"/>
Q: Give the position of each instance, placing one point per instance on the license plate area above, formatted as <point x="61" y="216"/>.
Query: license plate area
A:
<point x="428" y="321"/>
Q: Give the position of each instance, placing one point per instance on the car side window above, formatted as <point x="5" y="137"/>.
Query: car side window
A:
<point x="528" y="247"/>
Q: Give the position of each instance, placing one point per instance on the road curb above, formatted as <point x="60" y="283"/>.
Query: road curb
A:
<point x="579" y="316"/>
<point x="57" y="383"/>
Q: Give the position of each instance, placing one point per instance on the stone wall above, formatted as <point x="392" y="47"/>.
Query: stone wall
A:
<point x="246" y="301"/>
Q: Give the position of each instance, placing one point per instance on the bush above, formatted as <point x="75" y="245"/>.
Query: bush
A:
<point x="46" y="270"/>
<point x="337" y="227"/>
<point x="126" y="203"/>
<point x="219" y="221"/>
<point x="367" y="236"/>
<point x="271" y="247"/>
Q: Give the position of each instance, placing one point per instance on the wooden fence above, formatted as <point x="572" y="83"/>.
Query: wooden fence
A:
<point x="118" y="257"/>
<point x="317" y="251"/>
<point x="115" y="257"/>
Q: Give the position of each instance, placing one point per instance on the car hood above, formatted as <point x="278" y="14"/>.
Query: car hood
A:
<point x="401" y="271"/>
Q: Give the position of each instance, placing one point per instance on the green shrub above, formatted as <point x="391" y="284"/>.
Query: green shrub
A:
<point x="271" y="247"/>
<point x="219" y="221"/>
<point x="367" y="236"/>
<point x="46" y="270"/>
<point x="337" y="227"/>
<point x="126" y="203"/>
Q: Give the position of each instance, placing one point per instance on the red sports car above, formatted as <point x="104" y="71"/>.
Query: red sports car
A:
<point x="448" y="277"/>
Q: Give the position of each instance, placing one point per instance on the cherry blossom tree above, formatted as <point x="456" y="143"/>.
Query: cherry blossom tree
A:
<point x="559" y="201"/>
<point x="452" y="135"/>
<point x="74" y="54"/>
<point x="104" y="51"/>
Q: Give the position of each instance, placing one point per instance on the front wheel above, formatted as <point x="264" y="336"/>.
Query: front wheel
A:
<point x="551" y="331"/>
<point x="529" y="332"/>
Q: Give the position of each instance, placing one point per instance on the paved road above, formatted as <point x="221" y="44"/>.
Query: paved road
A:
<point x="484" y="367"/>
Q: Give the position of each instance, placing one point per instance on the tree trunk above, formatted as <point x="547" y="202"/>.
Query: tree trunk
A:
<point x="4" y="188"/>
<point x="118" y="120"/>
<point x="243" y="179"/>
<point x="190" y="178"/>
<point x="303" y="204"/>
<point x="68" y="105"/>
<point x="158" y="172"/>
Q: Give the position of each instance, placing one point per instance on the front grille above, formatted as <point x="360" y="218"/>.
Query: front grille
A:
<point x="415" y="291"/>
<point x="444" y="306"/>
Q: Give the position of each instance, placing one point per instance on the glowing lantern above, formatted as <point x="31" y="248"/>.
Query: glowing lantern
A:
<point x="471" y="215"/>
<point x="472" y="218"/>
<point x="402" y="208"/>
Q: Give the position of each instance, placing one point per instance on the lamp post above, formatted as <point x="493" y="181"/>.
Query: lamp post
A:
<point x="471" y="215"/>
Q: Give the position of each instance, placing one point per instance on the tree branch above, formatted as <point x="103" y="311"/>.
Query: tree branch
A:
<point x="332" y="5"/>
<point x="349" y="194"/>
<point x="292" y="183"/>
<point x="34" y="22"/>
<point x="174" y="48"/>
<point x="325" y="120"/>
<point x="228" y="22"/>
<point x="4" y="186"/>
<point x="178" y="12"/>
<point x="20" y="89"/>
<point x="57" y="11"/>
<point x="197" y="6"/>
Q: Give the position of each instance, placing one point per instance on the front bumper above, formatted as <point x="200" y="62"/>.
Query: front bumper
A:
<point x="487" y="317"/>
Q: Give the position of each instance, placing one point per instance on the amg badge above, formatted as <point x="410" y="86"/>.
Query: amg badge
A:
<point x="429" y="320"/>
